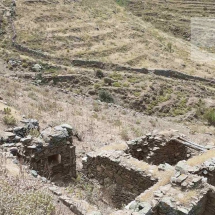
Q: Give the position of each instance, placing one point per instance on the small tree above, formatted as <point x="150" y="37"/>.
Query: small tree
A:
<point x="105" y="96"/>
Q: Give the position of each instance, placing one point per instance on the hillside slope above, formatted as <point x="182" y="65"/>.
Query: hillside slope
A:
<point x="102" y="31"/>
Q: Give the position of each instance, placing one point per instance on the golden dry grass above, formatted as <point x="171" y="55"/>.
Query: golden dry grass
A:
<point x="164" y="179"/>
<point x="102" y="31"/>
<point x="186" y="196"/>
<point x="197" y="160"/>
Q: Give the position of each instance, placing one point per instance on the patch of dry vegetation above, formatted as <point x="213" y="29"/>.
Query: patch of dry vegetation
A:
<point x="164" y="179"/>
<point x="197" y="160"/>
<point x="21" y="194"/>
<point x="102" y="31"/>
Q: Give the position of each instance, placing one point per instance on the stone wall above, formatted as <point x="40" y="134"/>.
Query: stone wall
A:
<point x="157" y="149"/>
<point x="207" y="170"/>
<point x="65" y="169"/>
<point x="51" y="154"/>
<point x="123" y="176"/>
<point x="210" y="203"/>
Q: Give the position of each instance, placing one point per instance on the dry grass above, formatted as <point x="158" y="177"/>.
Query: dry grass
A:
<point x="103" y="31"/>
<point x="185" y="197"/>
<point x="52" y="107"/>
<point x="22" y="194"/>
<point x="115" y="147"/>
<point x="148" y="195"/>
<point x="197" y="160"/>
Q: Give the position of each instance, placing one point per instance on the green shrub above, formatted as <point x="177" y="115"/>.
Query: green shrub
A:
<point x="126" y="84"/>
<point x="108" y="81"/>
<point x="99" y="74"/>
<point x="9" y="120"/>
<point x="34" y="133"/>
<point x="7" y="110"/>
<point x="96" y="107"/>
<point x="210" y="116"/>
<point x="116" y="76"/>
<point x="169" y="48"/>
<point x="105" y="96"/>
<point x="117" y="84"/>
<point x="97" y="86"/>
<point x="122" y="2"/>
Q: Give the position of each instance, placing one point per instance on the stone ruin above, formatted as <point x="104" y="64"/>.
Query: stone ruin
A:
<point x="50" y="153"/>
<point x="151" y="175"/>
<point x="141" y="175"/>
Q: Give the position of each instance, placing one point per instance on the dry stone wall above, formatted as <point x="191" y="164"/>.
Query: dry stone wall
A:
<point x="66" y="168"/>
<point x="118" y="171"/>
<point x="207" y="170"/>
<point x="157" y="149"/>
<point x="49" y="153"/>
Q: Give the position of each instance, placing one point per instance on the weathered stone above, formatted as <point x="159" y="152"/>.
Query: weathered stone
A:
<point x="181" y="178"/>
<point x="34" y="173"/>
<point x="55" y="190"/>
<point x="26" y="140"/>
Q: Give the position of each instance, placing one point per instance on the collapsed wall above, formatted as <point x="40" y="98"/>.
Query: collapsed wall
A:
<point x="207" y="170"/>
<point x="126" y="176"/>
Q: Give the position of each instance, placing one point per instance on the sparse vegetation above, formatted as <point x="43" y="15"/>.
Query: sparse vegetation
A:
<point x="105" y="96"/>
<point x="34" y="133"/>
<point x="210" y="116"/>
<point x="9" y="120"/>
<point x="7" y="111"/>
<point x="99" y="74"/>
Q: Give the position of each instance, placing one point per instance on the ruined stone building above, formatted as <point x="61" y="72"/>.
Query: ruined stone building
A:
<point x="50" y="153"/>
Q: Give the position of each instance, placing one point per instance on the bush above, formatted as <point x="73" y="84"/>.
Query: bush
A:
<point x="169" y="47"/>
<point x="117" y="84"/>
<point x="34" y="133"/>
<point x="210" y="116"/>
<point x="9" y="120"/>
<point x="99" y="74"/>
<point x="108" y="81"/>
<point x="124" y="135"/>
<point x="7" y="110"/>
<point x="97" y="86"/>
<point x="105" y="96"/>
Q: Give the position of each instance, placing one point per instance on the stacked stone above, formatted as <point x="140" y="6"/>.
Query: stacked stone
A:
<point x="117" y="170"/>
<point x="50" y="152"/>
<point x="157" y="149"/>
<point x="207" y="170"/>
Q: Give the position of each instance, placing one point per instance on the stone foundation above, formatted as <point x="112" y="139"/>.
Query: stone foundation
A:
<point x="160" y="148"/>
<point x="123" y="176"/>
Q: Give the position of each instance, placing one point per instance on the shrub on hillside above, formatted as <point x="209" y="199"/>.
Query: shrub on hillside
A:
<point x="99" y="74"/>
<point x="105" y="96"/>
<point x="108" y="81"/>
<point x="7" y="110"/>
<point x="210" y="116"/>
<point x="9" y="120"/>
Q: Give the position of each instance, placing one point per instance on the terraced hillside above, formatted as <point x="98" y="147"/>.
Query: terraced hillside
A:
<point x="172" y="15"/>
<point x="99" y="31"/>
